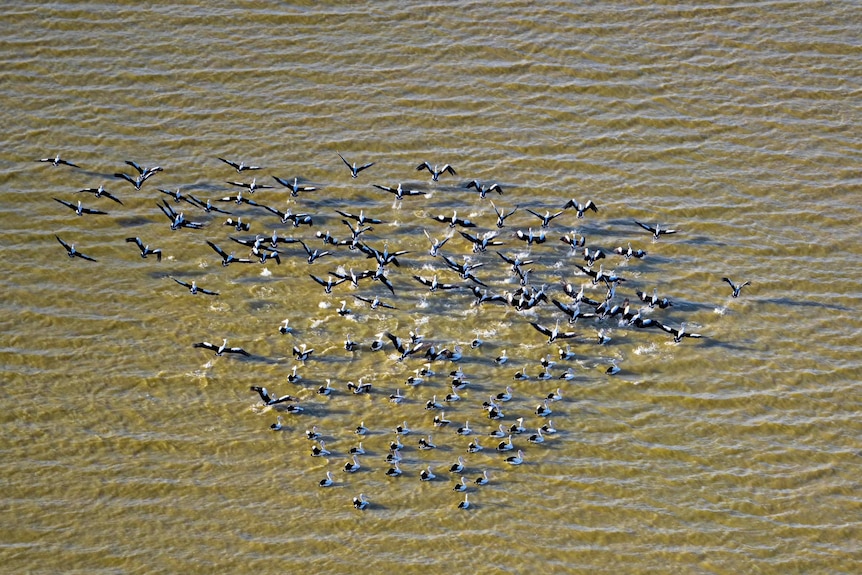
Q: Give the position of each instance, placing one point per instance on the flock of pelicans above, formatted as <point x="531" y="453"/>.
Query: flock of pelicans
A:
<point x="530" y="279"/>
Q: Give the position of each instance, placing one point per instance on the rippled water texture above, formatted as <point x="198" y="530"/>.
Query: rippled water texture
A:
<point x="127" y="450"/>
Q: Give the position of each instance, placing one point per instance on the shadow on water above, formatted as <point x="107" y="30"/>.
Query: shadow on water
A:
<point x="804" y="303"/>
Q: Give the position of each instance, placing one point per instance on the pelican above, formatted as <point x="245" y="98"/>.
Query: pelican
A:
<point x="516" y="459"/>
<point x="502" y="215"/>
<point x="57" y="160"/>
<point x="226" y="258"/>
<point x="193" y="287"/>
<point x="251" y="187"/>
<point x="629" y="252"/>
<point x="461" y="486"/>
<point x="72" y="252"/>
<point x="302" y="353"/>
<point x="325" y="389"/>
<point x="548" y="428"/>
<point x="465" y="430"/>
<point x="360" y="502"/>
<point x="426" y="444"/>
<point x="543" y="409"/>
<point x="518" y="426"/>
<point x="482" y="479"/>
<point x="474" y="446"/>
<point x="294" y="186"/>
<point x="736" y="288"/>
<point x="270" y="399"/>
<point x="436" y="171"/>
<point x="399" y="191"/>
<point x="343" y="311"/>
<point x="239" y="166"/>
<point x="546" y="219"/>
<point x="680" y="333"/>
<point x="656" y="230"/>
<point x="458" y="466"/>
<point x="537" y="437"/>
<point x="358" y="449"/>
<point x="352" y="466"/>
<point x="354" y="169"/>
<point x="79" y="208"/>
<point x="483" y="190"/>
<point x="312" y="433"/>
<point x="553" y="333"/>
<point x="278" y="425"/>
<point x="320" y="450"/>
<point x="433" y="404"/>
<point x="464" y="504"/>
<point x="427" y="474"/>
<point x="99" y="192"/>
<point x="394" y="471"/>
<point x="396" y="397"/>
<point x="440" y="420"/>
<point x="327" y="482"/>
<point x="580" y="208"/>
<point x="361" y="429"/>
<point x="402" y="429"/>
<point x="223" y="348"/>
<point x="506" y="445"/>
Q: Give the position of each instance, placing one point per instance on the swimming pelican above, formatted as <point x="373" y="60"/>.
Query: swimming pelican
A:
<point x="426" y="474"/>
<point x="474" y="446"/>
<point x="426" y="444"/>
<point x="518" y="426"/>
<point x="402" y="429"/>
<point x="458" y="466"/>
<point x="464" y="504"/>
<point x="352" y="466"/>
<point x="325" y="389"/>
<point x="440" y="420"/>
<point x="327" y="482"/>
<point x="360" y="502"/>
<point x="506" y="445"/>
<point x="516" y="459"/>
<point x="320" y="450"/>
<point x="278" y="425"/>
<point x="537" y="437"/>
<point x="543" y="409"/>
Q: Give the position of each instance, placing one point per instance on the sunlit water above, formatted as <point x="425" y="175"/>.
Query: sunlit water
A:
<point x="128" y="450"/>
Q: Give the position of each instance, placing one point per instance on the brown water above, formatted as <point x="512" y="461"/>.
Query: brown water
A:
<point x="126" y="450"/>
